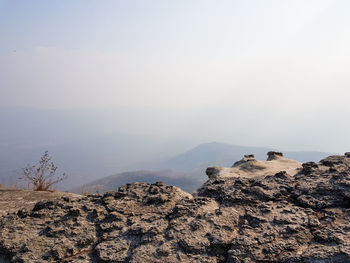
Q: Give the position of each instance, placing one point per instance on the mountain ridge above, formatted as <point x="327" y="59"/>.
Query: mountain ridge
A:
<point x="190" y="166"/>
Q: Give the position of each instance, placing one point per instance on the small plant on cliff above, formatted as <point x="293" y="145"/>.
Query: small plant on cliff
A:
<point x="42" y="177"/>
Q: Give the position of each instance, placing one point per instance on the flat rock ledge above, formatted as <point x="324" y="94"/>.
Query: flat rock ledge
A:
<point x="11" y="200"/>
<point x="274" y="218"/>
<point x="249" y="167"/>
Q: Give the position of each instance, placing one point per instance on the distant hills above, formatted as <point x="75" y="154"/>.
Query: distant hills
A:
<point x="90" y="145"/>
<point x="224" y="154"/>
<point x="113" y="182"/>
<point x="214" y="153"/>
<point x="82" y="144"/>
<point x="187" y="170"/>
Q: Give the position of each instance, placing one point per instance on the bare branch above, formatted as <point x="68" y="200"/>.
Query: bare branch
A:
<point x="43" y="176"/>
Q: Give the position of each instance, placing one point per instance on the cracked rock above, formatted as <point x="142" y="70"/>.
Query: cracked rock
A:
<point x="272" y="215"/>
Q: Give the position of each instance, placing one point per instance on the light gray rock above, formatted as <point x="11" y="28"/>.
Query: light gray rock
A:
<point x="275" y="218"/>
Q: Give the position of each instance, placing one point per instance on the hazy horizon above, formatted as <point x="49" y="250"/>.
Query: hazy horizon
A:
<point x="272" y="73"/>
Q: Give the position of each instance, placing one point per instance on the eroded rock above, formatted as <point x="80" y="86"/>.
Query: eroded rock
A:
<point x="274" y="155"/>
<point x="249" y="167"/>
<point x="277" y="217"/>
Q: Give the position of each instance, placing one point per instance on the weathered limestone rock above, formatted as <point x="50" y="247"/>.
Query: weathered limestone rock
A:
<point x="245" y="159"/>
<point x="249" y="167"/>
<point x="273" y="217"/>
<point x="274" y="155"/>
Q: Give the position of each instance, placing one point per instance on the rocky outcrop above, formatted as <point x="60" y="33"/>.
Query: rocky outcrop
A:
<point x="272" y="218"/>
<point x="249" y="167"/>
<point x="247" y="158"/>
<point x="274" y="155"/>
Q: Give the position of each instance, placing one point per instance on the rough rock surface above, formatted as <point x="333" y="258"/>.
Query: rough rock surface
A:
<point x="249" y="167"/>
<point x="277" y="218"/>
<point x="12" y="200"/>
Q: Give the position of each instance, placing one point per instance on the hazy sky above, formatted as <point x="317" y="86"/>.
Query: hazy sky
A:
<point x="272" y="73"/>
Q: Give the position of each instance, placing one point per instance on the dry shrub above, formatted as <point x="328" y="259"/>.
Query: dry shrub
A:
<point x="42" y="178"/>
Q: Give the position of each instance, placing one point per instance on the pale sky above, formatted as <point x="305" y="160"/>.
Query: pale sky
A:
<point x="265" y="73"/>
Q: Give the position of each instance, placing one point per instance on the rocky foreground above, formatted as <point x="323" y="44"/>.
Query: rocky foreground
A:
<point x="243" y="214"/>
<point x="11" y="200"/>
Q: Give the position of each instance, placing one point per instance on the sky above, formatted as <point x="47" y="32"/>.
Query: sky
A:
<point x="260" y="73"/>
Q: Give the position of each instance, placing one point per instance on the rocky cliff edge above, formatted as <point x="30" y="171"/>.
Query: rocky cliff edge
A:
<point x="285" y="215"/>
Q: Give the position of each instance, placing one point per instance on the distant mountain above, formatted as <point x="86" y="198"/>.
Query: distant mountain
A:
<point x="214" y="153"/>
<point x="90" y="145"/>
<point x="85" y="145"/>
<point x="222" y="154"/>
<point x="113" y="182"/>
<point x="187" y="170"/>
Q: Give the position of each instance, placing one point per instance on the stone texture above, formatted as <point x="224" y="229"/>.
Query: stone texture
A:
<point x="249" y="167"/>
<point x="275" y="218"/>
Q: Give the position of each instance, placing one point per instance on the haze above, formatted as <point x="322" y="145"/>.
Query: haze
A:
<point x="255" y="73"/>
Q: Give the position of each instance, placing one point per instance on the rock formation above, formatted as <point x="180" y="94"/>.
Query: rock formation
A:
<point x="253" y="212"/>
<point x="12" y="200"/>
<point x="249" y="167"/>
